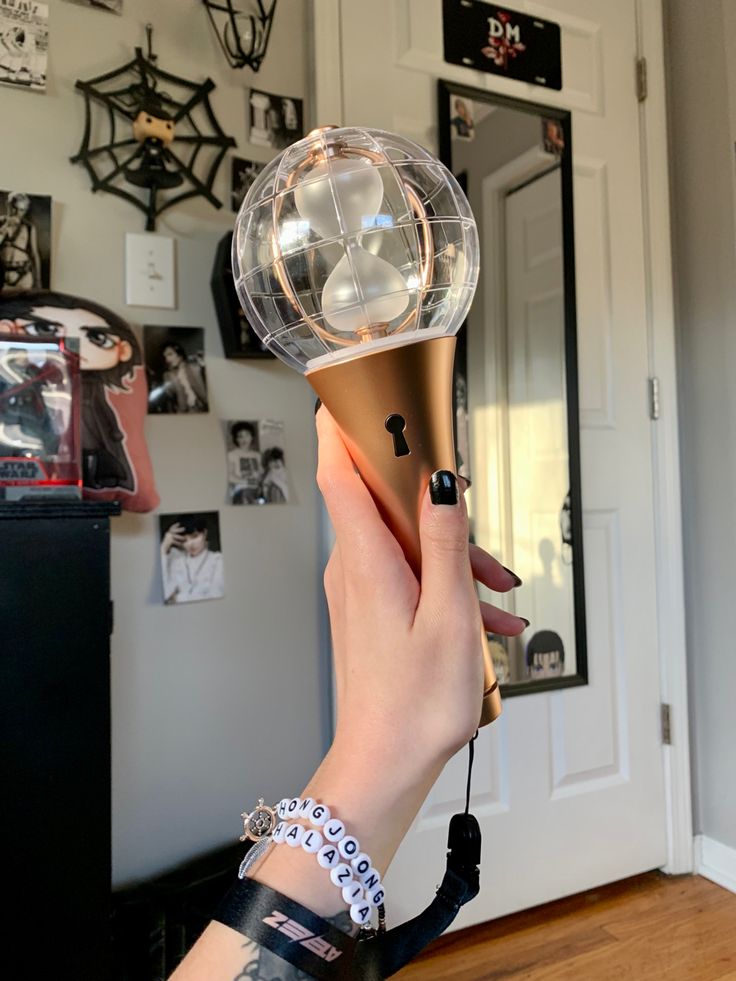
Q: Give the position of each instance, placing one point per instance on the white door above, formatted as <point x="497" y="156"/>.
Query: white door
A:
<point x="568" y="785"/>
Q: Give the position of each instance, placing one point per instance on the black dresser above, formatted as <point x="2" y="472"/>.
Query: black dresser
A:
<point x="55" y="626"/>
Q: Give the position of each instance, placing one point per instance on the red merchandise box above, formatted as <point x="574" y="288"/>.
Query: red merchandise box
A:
<point x="40" y="398"/>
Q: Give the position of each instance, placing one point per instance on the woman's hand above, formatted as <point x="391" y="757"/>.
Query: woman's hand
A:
<point x="408" y="664"/>
<point x="173" y="538"/>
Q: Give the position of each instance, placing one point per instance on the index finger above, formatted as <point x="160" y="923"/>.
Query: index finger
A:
<point x="359" y="528"/>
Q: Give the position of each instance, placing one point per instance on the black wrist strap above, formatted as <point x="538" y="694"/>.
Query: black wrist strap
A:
<point x="289" y="930"/>
<point x="318" y="948"/>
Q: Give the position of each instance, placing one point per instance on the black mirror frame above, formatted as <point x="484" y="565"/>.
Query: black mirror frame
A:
<point x="446" y="89"/>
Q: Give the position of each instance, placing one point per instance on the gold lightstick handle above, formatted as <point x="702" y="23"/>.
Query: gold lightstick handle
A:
<point x="410" y="388"/>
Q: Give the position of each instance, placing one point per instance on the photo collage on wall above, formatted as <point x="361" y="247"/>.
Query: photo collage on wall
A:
<point x="24" y="42"/>
<point x="25" y="241"/>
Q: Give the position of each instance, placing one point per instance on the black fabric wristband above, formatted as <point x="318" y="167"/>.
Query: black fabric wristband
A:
<point x="288" y="930"/>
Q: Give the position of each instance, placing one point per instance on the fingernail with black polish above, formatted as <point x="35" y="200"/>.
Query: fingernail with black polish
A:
<point x="443" y="487"/>
<point x="527" y="622"/>
<point x="317" y="404"/>
<point x="517" y="581"/>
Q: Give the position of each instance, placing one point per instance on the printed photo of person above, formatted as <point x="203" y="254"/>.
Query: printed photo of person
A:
<point x="461" y="118"/>
<point x="175" y="366"/>
<point x="256" y="463"/>
<point x="25" y="241"/>
<point x="243" y="173"/>
<point x="553" y="137"/>
<point x="275" y="120"/>
<point x="191" y="558"/>
<point x="24" y="43"/>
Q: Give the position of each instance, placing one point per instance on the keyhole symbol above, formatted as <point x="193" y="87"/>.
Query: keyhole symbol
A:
<point x="396" y="425"/>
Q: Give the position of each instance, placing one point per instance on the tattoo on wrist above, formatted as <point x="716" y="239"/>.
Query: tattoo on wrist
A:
<point x="263" y="965"/>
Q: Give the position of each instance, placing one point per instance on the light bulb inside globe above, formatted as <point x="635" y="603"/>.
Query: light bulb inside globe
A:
<point x="341" y="196"/>
<point x="362" y="293"/>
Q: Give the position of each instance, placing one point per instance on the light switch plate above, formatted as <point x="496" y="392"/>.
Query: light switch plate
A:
<point x="149" y="271"/>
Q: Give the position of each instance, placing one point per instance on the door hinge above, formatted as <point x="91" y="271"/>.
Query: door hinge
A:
<point x="654" y="398"/>
<point x="641" y="79"/>
<point x="666" y="718"/>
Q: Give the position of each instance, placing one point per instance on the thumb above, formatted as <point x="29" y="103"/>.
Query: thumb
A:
<point x="447" y="579"/>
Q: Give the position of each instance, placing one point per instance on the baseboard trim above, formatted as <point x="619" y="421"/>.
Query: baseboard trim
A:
<point x="715" y="861"/>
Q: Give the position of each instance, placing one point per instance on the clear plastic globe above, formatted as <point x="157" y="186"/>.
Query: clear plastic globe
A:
<point x="352" y="240"/>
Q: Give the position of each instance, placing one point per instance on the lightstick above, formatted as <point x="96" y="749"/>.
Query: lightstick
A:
<point x="355" y="256"/>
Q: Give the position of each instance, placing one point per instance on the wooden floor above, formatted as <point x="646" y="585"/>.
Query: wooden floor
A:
<point x="647" y="928"/>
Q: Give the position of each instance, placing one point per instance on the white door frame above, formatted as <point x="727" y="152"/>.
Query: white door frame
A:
<point x="328" y="106"/>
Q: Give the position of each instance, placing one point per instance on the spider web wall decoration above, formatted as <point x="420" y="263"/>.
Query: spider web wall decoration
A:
<point x="147" y="128"/>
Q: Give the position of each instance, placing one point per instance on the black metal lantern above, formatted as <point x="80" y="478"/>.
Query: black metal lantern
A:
<point x="243" y="30"/>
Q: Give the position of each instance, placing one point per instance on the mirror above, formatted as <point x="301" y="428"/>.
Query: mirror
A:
<point x="516" y="389"/>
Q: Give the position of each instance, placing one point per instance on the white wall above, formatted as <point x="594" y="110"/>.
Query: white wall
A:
<point x="701" y="54"/>
<point x="216" y="703"/>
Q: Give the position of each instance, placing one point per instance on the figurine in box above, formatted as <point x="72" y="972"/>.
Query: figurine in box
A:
<point x="40" y="451"/>
<point x="115" y="460"/>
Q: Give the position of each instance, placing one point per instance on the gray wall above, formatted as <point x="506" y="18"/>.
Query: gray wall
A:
<point x="701" y="55"/>
<point x="214" y="703"/>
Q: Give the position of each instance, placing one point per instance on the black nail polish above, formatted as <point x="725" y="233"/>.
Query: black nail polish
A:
<point x="527" y="622"/>
<point x="443" y="487"/>
<point x="317" y="404"/>
<point x="517" y="581"/>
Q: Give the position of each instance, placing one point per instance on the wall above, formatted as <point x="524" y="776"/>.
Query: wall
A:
<point x="217" y="703"/>
<point x="702" y="122"/>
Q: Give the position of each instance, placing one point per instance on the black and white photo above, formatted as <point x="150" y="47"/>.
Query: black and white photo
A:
<point x="25" y="241"/>
<point x="243" y="173"/>
<point x="275" y="120"/>
<point x="24" y="43"/>
<point x="111" y="6"/>
<point x="256" y="462"/>
<point x="177" y="381"/>
<point x="191" y="557"/>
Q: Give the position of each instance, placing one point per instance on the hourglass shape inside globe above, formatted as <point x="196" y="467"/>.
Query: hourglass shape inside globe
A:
<point x="355" y="257"/>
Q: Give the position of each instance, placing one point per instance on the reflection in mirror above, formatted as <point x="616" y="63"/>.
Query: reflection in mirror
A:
<point x="516" y="376"/>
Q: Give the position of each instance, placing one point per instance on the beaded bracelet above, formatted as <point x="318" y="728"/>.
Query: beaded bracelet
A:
<point x="359" y="882"/>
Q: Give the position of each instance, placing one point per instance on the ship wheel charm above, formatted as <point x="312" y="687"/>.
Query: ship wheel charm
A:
<point x="259" y="823"/>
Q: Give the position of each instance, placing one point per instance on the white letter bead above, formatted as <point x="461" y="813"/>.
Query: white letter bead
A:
<point x="349" y="847"/>
<point x="375" y="898"/>
<point x="328" y="856"/>
<point x="334" y="830"/>
<point x="312" y="841"/>
<point x="361" y="863"/>
<point x="279" y="831"/>
<point x="303" y="809"/>
<point x="352" y="893"/>
<point x="319" y="815"/>
<point x="281" y="809"/>
<point x="293" y="835"/>
<point x="360" y="913"/>
<point x="370" y="879"/>
<point x="341" y="875"/>
<point x="292" y="806"/>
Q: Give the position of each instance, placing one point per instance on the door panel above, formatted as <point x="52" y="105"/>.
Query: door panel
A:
<point x="568" y="785"/>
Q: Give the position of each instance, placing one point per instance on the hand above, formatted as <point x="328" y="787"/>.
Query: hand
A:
<point x="408" y="665"/>
<point x="174" y="538"/>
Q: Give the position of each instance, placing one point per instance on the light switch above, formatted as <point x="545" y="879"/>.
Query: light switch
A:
<point x="149" y="271"/>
